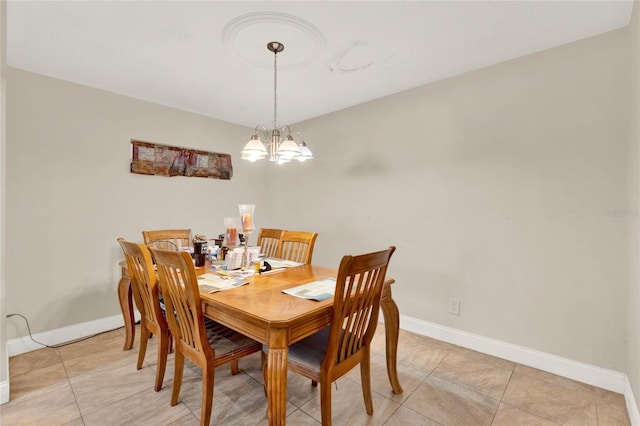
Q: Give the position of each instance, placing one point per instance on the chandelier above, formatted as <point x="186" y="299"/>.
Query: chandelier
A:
<point x="279" y="144"/>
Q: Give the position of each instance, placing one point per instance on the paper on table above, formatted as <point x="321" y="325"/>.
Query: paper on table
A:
<point x="210" y="283"/>
<point x="282" y="263"/>
<point x="316" y="290"/>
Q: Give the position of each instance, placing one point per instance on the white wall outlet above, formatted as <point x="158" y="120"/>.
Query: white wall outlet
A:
<point x="454" y="306"/>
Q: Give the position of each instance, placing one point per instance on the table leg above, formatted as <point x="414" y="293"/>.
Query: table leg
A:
<point x="277" y="378"/>
<point x="392" y="330"/>
<point x="126" y="306"/>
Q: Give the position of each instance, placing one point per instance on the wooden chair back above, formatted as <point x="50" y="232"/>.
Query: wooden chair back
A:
<point x="168" y="239"/>
<point x="332" y="352"/>
<point x="182" y="297"/>
<point x="268" y="240"/>
<point x="297" y="246"/>
<point x="145" y="291"/>
<point x="195" y="337"/>
<point x="356" y="304"/>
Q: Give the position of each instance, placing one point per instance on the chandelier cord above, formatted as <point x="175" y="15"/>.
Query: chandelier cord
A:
<point x="275" y="90"/>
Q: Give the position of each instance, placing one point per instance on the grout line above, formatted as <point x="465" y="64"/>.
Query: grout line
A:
<point x="508" y="381"/>
<point x="73" y="392"/>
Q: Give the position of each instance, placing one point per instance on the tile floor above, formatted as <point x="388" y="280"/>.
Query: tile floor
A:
<point x="95" y="382"/>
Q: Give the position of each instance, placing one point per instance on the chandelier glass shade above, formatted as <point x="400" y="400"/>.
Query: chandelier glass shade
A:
<point x="277" y="144"/>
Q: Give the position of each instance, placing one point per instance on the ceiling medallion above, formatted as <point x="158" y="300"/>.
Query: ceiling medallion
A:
<point x="244" y="38"/>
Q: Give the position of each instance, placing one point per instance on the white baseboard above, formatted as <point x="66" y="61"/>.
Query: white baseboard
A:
<point x="4" y="392"/>
<point x="632" y="407"/>
<point x="575" y="370"/>
<point x="66" y="334"/>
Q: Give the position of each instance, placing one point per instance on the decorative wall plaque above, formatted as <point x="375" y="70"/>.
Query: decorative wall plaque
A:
<point x="165" y="160"/>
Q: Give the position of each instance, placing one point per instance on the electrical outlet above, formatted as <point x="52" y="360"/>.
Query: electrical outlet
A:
<point x="454" y="306"/>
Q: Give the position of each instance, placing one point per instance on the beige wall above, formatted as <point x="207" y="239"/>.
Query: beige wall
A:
<point x="4" y="367"/>
<point x="500" y="187"/>
<point x="633" y="306"/>
<point x="70" y="194"/>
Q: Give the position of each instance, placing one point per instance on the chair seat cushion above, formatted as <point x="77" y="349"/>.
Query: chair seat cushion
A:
<point x="310" y="352"/>
<point x="225" y="340"/>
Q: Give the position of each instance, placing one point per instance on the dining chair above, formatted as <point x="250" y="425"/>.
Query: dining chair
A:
<point x="145" y="291"/>
<point x="297" y="246"/>
<point x="268" y="240"/>
<point x="332" y="352"/>
<point x="206" y="343"/>
<point x="163" y="244"/>
<point x="168" y="239"/>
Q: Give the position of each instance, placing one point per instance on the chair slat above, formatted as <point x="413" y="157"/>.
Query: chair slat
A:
<point x="297" y="246"/>
<point x="269" y="240"/>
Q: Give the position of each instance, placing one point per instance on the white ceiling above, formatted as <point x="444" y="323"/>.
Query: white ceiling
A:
<point x="210" y="57"/>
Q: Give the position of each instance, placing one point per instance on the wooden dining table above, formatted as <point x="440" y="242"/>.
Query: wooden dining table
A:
<point x="263" y="312"/>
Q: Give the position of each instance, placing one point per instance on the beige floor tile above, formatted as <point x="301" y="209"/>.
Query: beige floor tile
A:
<point x="552" y="378"/>
<point x="136" y="340"/>
<point x="378" y="344"/>
<point x="409" y="378"/>
<point x="404" y="416"/>
<point x="101" y="390"/>
<point x="299" y="389"/>
<point x="53" y="408"/>
<point x="37" y="382"/>
<point x="300" y="418"/>
<point x="190" y="372"/>
<point x="151" y="355"/>
<point x="243" y="405"/>
<point x="33" y="360"/>
<point x="78" y="368"/>
<point x="412" y="370"/>
<point x="237" y="399"/>
<point x="450" y="404"/>
<point x="409" y="337"/>
<point x="417" y="354"/>
<point x="347" y="405"/>
<point x="474" y="373"/>
<point x="76" y="422"/>
<point x="512" y="416"/>
<point x="147" y="407"/>
<point x="108" y="389"/>
<point x="252" y="365"/>
<point x="561" y="402"/>
<point x="485" y="358"/>
<point x="187" y="420"/>
<point x="611" y="408"/>
<point x="193" y="373"/>
<point x="99" y="343"/>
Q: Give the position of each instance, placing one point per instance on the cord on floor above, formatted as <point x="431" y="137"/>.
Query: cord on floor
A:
<point x="60" y="345"/>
